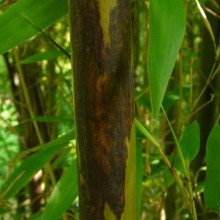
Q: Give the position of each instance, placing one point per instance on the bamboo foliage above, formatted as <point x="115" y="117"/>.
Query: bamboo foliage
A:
<point x="28" y="8"/>
<point x="115" y="182"/>
<point x="166" y="30"/>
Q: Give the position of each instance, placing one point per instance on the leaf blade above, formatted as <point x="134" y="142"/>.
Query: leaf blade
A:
<point x="63" y="194"/>
<point x="31" y="165"/>
<point x="212" y="180"/>
<point x="190" y="141"/>
<point x="167" y="26"/>
<point x="12" y="22"/>
<point x="48" y="55"/>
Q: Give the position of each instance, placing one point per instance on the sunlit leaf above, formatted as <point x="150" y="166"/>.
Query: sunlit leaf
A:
<point x="63" y="195"/>
<point x="166" y="30"/>
<point x="146" y="133"/>
<point x="206" y="22"/>
<point x="15" y="29"/>
<point x="22" y="175"/>
<point x="212" y="181"/>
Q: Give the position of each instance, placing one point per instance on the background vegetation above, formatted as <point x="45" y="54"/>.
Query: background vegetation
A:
<point x="175" y="57"/>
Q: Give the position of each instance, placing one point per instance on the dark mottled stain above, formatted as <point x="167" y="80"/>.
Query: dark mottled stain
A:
<point x="103" y="87"/>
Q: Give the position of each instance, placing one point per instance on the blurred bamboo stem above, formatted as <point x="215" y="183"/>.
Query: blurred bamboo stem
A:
<point x="30" y="110"/>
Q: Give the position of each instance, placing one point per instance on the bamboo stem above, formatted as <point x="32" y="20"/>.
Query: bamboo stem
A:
<point x="30" y="110"/>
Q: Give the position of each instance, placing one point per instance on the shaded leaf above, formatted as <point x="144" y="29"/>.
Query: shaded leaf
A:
<point x="167" y="26"/>
<point x="63" y="195"/>
<point x="3" y="210"/>
<point x="189" y="144"/>
<point x="212" y="181"/>
<point x="190" y="141"/>
<point x="22" y="175"/>
<point x="50" y="54"/>
<point x="170" y="100"/>
<point x="36" y="216"/>
<point x="17" y="30"/>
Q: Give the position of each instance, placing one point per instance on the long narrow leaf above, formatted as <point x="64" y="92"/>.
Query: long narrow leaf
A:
<point x="22" y="175"/>
<point x="212" y="181"/>
<point x="50" y="54"/>
<point x="63" y="194"/>
<point x="46" y="36"/>
<point x="167" y="27"/>
<point x="15" y="29"/>
<point x="146" y="133"/>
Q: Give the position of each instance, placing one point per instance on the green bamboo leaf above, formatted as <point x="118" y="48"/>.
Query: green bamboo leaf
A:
<point x="189" y="145"/>
<point x="50" y="54"/>
<point x="146" y="133"/>
<point x="167" y="23"/>
<point x="206" y="22"/>
<point x="63" y="195"/>
<point x="15" y="29"/>
<point x="190" y="141"/>
<point x="46" y="36"/>
<point x="22" y="175"/>
<point x="36" y="216"/>
<point x="212" y="181"/>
